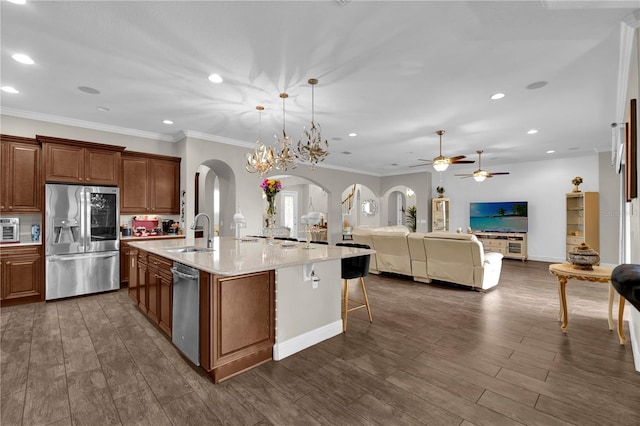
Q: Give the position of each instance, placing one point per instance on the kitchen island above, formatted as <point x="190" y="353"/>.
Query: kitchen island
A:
<point x="257" y="301"/>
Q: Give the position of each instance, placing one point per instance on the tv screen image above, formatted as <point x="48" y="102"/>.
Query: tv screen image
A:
<point x="505" y="216"/>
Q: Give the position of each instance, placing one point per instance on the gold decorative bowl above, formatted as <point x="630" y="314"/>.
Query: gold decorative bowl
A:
<point x="583" y="257"/>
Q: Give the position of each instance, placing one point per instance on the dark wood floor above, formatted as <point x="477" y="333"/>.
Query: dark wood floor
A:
<point x="433" y="355"/>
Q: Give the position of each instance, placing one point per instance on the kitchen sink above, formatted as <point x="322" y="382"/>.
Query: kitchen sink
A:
<point x="189" y="250"/>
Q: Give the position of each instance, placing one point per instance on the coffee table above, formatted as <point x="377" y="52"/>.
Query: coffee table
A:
<point x="564" y="272"/>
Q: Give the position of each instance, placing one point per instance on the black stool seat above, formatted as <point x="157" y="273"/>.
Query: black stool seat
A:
<point x="354" y="267"/>
<point x="626" y="280"/>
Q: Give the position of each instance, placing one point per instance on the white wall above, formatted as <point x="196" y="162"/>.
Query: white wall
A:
<point x="544" y="185"/>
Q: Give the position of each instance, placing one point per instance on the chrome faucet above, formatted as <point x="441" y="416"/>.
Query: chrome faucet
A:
<point x="208" y="228"/>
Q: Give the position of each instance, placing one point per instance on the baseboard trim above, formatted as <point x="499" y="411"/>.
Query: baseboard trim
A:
<point x="281" y="350"/>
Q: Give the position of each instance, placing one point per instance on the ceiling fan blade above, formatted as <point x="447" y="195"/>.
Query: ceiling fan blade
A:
<point x="422" y="159"/>
<point x="498" y="173"/>
<point x="463" y="162"/>
<point x="419" y="165"/>
<point x="466" y="175"/>
<point x="457" y="157"/>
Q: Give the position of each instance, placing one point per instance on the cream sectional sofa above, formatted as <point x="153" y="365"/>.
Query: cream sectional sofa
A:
<point x="442" y="256"/>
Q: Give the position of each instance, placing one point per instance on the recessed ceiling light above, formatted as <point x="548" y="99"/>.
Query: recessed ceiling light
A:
<point x="22" y="58"/>
<point x="167" y="121"/>
<point x="103" y="109"/>
<point x="89" y="90"/>
<point x="346" y="152"/>
<point x="18" y="1"/>
<point x="536" y="85"/>
<point x="551" y="151"/>
<point x="9" y="89"/>
<point x="353" y="134"/>
<point x="215" y="78"/>
<point x="496" y="96"/>
<point x="532" y="132"/>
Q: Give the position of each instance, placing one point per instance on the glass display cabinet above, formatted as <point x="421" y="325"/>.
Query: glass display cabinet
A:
<point x="440" y="214"/>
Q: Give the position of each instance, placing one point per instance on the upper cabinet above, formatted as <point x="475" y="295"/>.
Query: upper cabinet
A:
<point x="74" y="161"/>
<point x="21" y="175"/>
<point x="149" y="184"/>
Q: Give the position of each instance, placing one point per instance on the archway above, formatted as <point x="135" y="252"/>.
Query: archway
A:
<point x="216" y="195"/>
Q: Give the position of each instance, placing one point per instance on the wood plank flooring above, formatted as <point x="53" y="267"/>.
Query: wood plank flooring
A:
<point x="435" y="354"/>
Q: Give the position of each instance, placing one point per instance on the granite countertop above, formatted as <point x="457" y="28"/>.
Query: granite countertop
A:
<point x="236" y="257"/>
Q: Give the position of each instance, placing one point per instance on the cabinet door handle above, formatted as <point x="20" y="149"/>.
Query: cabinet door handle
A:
<point x="8" y="263"/>
<point x="10" y="207"/>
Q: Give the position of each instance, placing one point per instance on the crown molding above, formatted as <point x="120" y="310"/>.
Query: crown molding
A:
<point x="628" y="29"/>
<point x="173" y="138"/>
<point x="85" y="124"/>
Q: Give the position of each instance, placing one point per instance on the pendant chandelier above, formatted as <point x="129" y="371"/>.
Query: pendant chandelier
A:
<point x="284" y="158"/>
<point x="310" y="149"/>
<point x="261" y="159"/>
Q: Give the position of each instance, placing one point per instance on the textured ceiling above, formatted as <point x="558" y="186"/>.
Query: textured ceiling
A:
<point x="393" y="72"/>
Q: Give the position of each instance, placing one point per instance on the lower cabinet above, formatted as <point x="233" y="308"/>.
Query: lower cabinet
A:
<point x="132" y="274"/>
<point x="22" y="274"/>
<point x="237" y="313"/>
<point x="237" y="322"/>
<point x="151" y="286"/>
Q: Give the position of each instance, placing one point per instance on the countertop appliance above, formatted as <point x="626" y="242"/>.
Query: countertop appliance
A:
<point x="81" y="240"/>
<point x="10" y="229"/>
<point x="167" y="226"/>
<point x="186" y="311"/>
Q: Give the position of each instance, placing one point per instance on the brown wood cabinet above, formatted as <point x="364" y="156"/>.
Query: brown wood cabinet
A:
<point x="125" y="255"/>
<point x="149" y="184"/>
<point x="151" y="286"/>
<point x="22" y="273"/>
<point x="21" y="186"/>
<point x="237" y="322"/>
<point x="72" y="161"/>
<point x="142" y="277"/>
<point x="132" y="265"/>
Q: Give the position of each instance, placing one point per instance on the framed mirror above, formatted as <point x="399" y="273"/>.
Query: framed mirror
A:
<point x="369" y="207"/>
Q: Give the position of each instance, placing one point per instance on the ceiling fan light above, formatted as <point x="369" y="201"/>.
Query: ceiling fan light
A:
<point x="440" y="165"/>
<point x="480" y="176"/>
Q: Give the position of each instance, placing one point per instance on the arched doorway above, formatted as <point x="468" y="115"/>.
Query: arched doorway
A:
<point x="215" y="184"/>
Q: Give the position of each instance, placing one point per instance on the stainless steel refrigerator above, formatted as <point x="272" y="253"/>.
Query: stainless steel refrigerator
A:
<point x="81" y="240"/>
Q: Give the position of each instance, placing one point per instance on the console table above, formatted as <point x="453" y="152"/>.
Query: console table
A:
<point x="564" y="272"/>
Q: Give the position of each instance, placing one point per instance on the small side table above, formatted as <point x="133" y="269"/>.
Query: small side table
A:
<point x="564" y="272"/>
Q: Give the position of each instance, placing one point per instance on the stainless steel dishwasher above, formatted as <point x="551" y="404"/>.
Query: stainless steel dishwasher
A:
<point x="186" y="311"/>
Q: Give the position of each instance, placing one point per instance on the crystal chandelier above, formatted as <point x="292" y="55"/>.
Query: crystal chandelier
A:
<point x="284" y="158"/>
<point x="311" y="149"/>
<point x="261" y="159"/>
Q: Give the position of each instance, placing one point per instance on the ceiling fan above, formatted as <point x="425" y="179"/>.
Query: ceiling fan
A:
<point x="480" y="175"/>
<point x="440" y="163"/>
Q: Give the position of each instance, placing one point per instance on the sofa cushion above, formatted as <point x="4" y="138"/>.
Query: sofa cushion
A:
<point x="392" y="250"/>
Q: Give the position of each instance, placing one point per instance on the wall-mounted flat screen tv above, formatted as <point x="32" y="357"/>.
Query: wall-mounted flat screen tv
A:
<point x="505" y="216"/>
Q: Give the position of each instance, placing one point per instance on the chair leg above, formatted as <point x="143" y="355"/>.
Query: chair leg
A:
<point x="345" y="308"/>
<point x="366" y="299"/>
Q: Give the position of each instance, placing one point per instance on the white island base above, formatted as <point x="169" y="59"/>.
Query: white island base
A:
<point x="308" y="307"/>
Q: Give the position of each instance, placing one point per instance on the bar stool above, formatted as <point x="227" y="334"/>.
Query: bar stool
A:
<point x="354" y="267"/>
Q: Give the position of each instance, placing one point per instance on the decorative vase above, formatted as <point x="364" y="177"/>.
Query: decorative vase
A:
<point x="583" y="257"/>
<point x="271" y="204"/>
